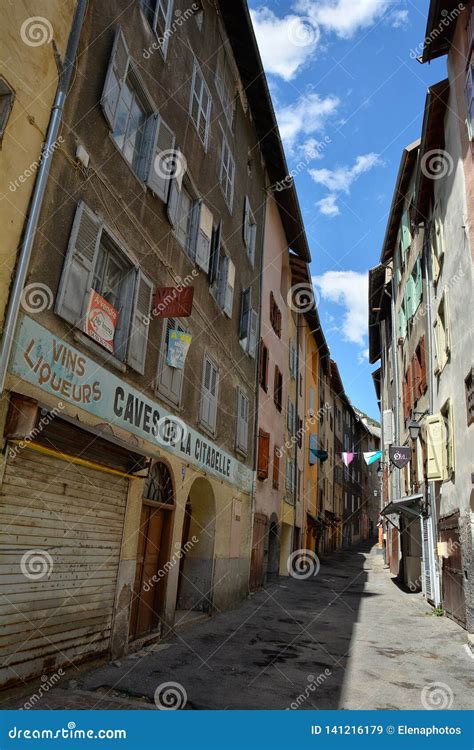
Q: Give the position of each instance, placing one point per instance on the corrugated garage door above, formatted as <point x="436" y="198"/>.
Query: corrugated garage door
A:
<point x="56" y="603"/>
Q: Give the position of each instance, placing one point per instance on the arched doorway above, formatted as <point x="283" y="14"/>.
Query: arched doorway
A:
<point x="273" y="548"/>
<point x="197" y="562"/>
<point x="153" y="551"/>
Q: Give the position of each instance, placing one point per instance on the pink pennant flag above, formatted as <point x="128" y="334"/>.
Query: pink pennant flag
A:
<point x="347" y="458"/>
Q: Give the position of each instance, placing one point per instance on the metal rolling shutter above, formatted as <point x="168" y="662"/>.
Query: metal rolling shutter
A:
<point x="75" y="514"/>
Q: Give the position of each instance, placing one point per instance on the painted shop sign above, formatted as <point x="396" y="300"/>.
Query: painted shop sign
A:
<point x="46" y="361"/>
<point x="400" y="455"/>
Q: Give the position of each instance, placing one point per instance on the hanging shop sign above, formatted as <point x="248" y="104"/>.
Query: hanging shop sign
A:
<point x="47" y="362"/>
<point x="178" y="346"/>
<point x="400" y="456"/>
<point x="173" y="302"/>
<point x="100" y="322"/>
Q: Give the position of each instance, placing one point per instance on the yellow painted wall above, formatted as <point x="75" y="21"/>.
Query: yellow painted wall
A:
<point x="28" y="66"/>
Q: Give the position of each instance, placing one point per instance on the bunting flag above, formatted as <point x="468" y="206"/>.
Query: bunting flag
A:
<point x="372" y="457"/>
<point x="347" y="458"/>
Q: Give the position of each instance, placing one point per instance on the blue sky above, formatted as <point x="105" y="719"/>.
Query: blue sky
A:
<point x="349" y="96"/>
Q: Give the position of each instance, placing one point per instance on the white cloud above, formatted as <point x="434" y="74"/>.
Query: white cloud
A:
<point x="349" y="289"/>
<point x="285" y="44"/>
<point x="328" y="205"/>
<point x="344" y="17"/>
<point x="363" y="356"/>
<point x="305" y="117"/>
<point x="340" y="180"/>
<point x="399" y="19"/>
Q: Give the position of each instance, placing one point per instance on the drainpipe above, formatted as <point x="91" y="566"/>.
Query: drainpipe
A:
<point x="295" y="480"/>
<point x="431" y="501"/>
<point x="65" y="74"/>
<point x="396" y="379"/>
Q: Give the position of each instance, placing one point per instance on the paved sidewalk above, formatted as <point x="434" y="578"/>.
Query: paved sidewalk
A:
<point x="348" y="638"/>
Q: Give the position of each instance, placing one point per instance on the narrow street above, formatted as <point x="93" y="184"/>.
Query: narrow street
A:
<point x="350" y="632"/>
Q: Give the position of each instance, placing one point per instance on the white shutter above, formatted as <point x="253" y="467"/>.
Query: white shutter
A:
<point x="242" y="421"/>
<point x="436" y="447"/>
<point x="210" y="385"/>
<point x="204" y="237"/>
<point x="78" y="270"/>
<point x="172" y="207"/>
<point x="253" y="333"/>
<point x="229" y="288"/>
<point x="140" y="323"/>
<point x="387" y="427"/>
<point x="246" y="224"/>
<point x="311" y="401"/>
<point x="161" y="171"/>
<point x="116" y="75"/>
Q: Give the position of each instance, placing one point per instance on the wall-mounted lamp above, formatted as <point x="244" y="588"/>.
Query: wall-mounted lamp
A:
<point x="414" y="426"/>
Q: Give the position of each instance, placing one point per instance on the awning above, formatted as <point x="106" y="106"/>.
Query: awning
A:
<point x="410" y="505"/>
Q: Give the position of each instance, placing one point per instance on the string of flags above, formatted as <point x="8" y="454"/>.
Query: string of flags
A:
<point x="370" y="457"/>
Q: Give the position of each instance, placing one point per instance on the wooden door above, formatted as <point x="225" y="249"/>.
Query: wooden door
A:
<point x="146" y="593"/>
<point x="393" y="551"/>
<point x="258" y="551"/>
<point x="454" y="601"/>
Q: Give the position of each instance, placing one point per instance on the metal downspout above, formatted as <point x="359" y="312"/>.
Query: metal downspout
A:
<point x="39" y="191"/>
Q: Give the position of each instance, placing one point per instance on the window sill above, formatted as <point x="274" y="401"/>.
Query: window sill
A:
<point x="209" y="432"/>
<point x="97" y="349"/>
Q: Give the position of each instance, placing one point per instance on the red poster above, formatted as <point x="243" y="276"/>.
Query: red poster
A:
<point x="101" y="321"/>
<point x="170" y="302"/>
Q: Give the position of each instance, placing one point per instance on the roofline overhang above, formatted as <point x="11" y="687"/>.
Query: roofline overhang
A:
<point x="407" y="163"/>
<point x="439" y="35"/>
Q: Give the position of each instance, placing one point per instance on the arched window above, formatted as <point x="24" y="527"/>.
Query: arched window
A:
<point x="159" y="486"/>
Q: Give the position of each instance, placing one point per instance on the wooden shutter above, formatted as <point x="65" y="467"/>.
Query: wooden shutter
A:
<point x="127" y="289"/>
<point x="387" y="427"/>
<point x="418" y="286"/>
<point x="263" y="454"/>
<point x="229" y="289"/>
<point x="276" y="468"/>
<point x="242" y="426"/>
<point x="246" y="223"/>
<point x="245" y="302"/>
<point x="405" y="231"/>
<point x="436" y="447"/>
<point x="170" y="379"/>
<point x="416" y="377"/>
<point x="172" y="207"/>
<point x="210" y="384"/>
<point x="253" y="333"/>
<point x="263" y="365"/>
<point x="409" y="298"/>
<point x="140" y="323"/>
<point x="160" y="172"/>
<point x="311" y="401"/>
<point x="204" y="237"/>
<point x="116" y="75"/>
<point x="313" y="448"/>
<point x="215" y="255"/>
<point x="423" y="366"/>
<point x="78" y="270"/>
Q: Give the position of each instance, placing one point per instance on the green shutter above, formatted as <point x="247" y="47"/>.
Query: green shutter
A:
<point x="406" y="234"/>
<point x="417" y="286"/>
<point x="409" y="291"/>
<point x="402" y="322"/>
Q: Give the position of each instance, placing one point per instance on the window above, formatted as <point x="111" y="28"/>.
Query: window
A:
<point x="275" y="316"/>
<point x="170" y="379"/>
<point x="242" y="431"/>
<point x="159" y="485"/>
<point x="448" y="417"/>
<point x="419" y="370"/>
<point x="291" y="417"/>
<point x="6" y="104"/>
<point x="441" y="335"/>
<point x="290" y="477"/>
<point x="166" y="161"/>
<point x="278" y="389"/>
<point x="311" y="401"/>
<point x="405" y="233"/>
<point x="193" y="224"/>
<point x="293" y="364"/>
<point x="250" y="231"/>
<point x="159" y="14"/>
<point x="200" y="105"/>
<point x="227" y="172"/>
<point x="437" y="243"/>
<point x="263" y="454"/>
<point x="402" y="321"/>
<point x="248" y="324"/>
<point x="224" y="277"/>
<point x="469" y="98"/>
<point x="225" y="85"/>
<point x="264" y="362"/>
<point x="276" y="468"/>
<point x="209" y="394"/>
<point x="95" y="261"/>
<point x="469" y="391"/>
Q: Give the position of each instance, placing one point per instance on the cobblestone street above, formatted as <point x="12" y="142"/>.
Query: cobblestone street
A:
<point x="348" y="638"/>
